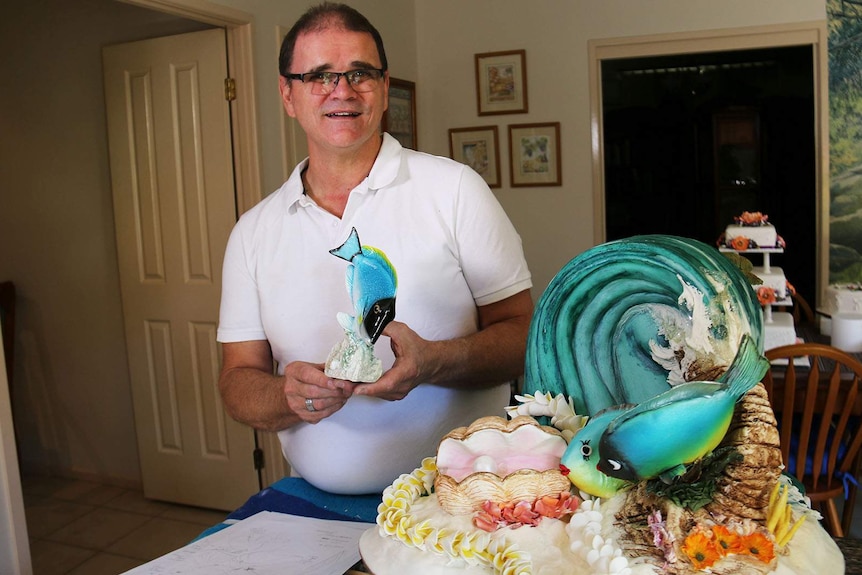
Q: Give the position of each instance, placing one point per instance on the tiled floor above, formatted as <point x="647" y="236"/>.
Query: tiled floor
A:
<point x="84" y="528"/>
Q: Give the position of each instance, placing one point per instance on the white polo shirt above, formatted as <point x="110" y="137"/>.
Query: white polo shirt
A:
<point x="453" y="248"/>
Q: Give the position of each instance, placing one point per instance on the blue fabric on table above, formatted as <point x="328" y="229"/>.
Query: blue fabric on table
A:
<point x="846" y="477"/>
<point x="296" y="496"/>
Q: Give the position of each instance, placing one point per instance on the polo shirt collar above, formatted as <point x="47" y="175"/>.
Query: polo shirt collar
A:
<point x="383" y="172"/>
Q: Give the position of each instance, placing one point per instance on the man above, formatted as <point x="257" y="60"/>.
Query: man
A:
<point x="463" y="301"/>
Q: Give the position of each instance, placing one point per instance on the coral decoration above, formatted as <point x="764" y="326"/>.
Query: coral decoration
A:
<point x="766" y="295"/>
<point x="780" y="516"/>
<point x="751" y="219"/>
<point x="516" y="514"/>
<point x="662" y="538"/>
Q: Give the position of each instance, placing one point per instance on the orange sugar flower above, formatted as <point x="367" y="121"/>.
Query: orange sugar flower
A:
<point x="752" y="218"/>
<point x="766" y="295"/>
<point x="739" y="243"/>
<point x="790" y="288"/>
<point x="758" y="545"/>
<point x="700" y="549"/>
<point x="727" y="542"/>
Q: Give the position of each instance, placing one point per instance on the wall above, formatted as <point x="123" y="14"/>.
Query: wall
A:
<point x="555" y="222"/>
<point x="72" y="396"/>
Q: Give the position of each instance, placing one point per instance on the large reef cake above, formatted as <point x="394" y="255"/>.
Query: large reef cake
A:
<point x="599" y="344"/>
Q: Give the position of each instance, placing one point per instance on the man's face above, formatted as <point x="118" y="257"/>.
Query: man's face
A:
<point x="344" y="119"/>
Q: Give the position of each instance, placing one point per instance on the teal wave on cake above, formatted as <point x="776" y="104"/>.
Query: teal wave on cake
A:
<point x="628" y="319"/>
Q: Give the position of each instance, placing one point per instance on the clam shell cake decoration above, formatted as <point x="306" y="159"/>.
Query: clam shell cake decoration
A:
<point x="626" y="320"/>
<point x="371" y="284"/>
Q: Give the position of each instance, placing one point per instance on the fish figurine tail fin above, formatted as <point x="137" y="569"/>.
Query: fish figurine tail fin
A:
<point x="747" y="370"/>
<point x="350" y="248"/>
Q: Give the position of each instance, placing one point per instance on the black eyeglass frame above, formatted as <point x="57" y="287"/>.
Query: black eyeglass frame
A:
<point x="338" y="75"/>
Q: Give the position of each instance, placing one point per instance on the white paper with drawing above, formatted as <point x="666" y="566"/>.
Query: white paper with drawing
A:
<point x="267" y="543"/>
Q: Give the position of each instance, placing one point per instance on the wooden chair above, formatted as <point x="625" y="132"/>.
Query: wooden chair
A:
<point x="819" y="409"/>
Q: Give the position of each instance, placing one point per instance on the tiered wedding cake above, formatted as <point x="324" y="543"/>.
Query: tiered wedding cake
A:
<point x="751" y="233"/>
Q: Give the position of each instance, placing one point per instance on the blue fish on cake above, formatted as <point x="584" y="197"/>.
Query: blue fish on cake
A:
<point x="371" y="284"/>
<point x="660" y="436"/>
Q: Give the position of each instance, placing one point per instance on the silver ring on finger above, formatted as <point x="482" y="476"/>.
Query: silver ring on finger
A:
<point x="309" y="404"/>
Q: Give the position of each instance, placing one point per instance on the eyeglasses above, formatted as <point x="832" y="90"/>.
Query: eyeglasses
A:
<point x="361" y="80"/>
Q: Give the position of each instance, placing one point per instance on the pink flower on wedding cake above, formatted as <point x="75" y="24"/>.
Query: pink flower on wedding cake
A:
<point x="751" y="219"/>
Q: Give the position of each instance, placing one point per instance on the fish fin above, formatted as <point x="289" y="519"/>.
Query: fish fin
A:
<point x="671" y="474"/>
<point x="350" y="248"/>
<point x="621" y="408"/>
<point x="747" y="369"/>
<point x="378" y="317"/>
<point x="349" y="274"/>
<point x="346" y="320"/>
<point x="681" y="392"/>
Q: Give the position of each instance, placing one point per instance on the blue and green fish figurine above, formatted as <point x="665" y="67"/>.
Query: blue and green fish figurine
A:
<point x="371" y="283"/>
<point x="660" y="436"/>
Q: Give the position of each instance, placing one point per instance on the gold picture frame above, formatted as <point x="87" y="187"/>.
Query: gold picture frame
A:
<point x="477" y="147"/>
<point x="400" y="118"/>
<point x="535" y="155"/>
<point x="501" y="82"/>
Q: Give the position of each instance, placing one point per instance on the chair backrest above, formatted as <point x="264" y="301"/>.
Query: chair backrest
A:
<point x="819" y="409"/>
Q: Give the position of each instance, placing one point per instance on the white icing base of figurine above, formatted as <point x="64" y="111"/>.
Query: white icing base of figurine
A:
<point x="353" y="359"/>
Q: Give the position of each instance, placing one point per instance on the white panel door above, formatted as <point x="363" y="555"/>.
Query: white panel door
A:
<point x="174" y="207"/>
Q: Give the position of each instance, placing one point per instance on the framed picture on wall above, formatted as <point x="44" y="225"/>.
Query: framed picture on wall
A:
<point x="477" y="147"/>
<point x="501" y="82"/>
<point x="400" y="119"/>
<point x="535" y="154"/>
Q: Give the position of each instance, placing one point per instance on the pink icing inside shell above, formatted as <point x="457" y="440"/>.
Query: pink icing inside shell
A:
<point x="502" y="453"/>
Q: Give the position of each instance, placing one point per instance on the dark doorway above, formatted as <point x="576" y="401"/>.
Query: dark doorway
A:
<point x="692" y="140"/>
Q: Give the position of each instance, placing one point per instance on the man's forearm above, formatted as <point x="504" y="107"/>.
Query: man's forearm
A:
<point x="483" y="359"/>
<point x="256" y="398"/>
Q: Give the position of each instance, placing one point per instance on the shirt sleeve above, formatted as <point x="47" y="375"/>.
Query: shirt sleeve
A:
<point x="239" y="315"/>
<point x="490" y="248"/>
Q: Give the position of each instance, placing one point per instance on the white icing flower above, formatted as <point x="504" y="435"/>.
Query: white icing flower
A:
<point x="560" y="409"/>
<point x="603" y="555"/>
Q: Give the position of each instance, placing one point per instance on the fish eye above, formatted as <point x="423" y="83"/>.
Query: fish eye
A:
<point x="586" y="450"/>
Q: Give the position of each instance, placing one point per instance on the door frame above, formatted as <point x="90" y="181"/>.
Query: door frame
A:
<point x="238" y="27"/>
<point x="812" y="34"/>
<point x="246" y="155"/>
